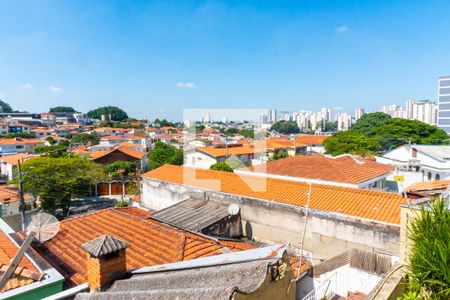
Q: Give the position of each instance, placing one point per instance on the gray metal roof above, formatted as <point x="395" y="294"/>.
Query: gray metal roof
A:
<point x="192" y="214"/>
<point x="440" y="152"/>
<point x="216" y="278"/>
<point x="103" y="245"/>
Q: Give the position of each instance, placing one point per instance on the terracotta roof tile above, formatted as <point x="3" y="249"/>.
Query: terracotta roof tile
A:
<point x="428" y="186"/>
<point x="8" y="250"/>
<point x="151" y="242"/>
<point x="361" y="203"/>
<point x="224" y="151"/>
<point x="12" y="159"/>
<point x="311" y="139"/>
<point x="344" y="169"/>
<point x="20" y="141"/>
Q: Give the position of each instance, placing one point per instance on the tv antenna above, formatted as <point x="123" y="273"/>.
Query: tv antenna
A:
<point x="44" y="225"/>
<point x="41" y="226"/>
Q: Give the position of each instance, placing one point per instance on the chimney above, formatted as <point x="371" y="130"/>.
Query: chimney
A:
<point x="106" y="261"/>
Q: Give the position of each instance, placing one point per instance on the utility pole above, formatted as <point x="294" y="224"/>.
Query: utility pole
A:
<point x="22" y="206"/>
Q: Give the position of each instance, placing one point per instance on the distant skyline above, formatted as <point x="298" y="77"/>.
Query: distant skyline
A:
<point x="155" y="58"/>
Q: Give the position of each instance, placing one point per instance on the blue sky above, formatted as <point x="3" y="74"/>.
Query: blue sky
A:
<point x="154" y="58"/>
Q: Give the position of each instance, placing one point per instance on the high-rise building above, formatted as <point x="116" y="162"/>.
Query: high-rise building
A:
<point x="358" y="113"/>
<point x="326" y="114"/>
<point x="317" y="121"/>
<point x="409" y="109"/>
<point x="444" y="104"/>
<point x="302" y="119"/>
<point x="273" y="115"/>
<point x="207" y="118"/>
<point x="344" y="121"/>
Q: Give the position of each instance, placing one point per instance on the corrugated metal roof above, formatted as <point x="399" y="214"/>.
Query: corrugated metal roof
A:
<point x="440" y="152"/>
<point x="192" y="214"/>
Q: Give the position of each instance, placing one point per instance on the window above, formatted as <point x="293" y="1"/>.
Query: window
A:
<point x="429" y="175"/>
<point x="437" y="177"/>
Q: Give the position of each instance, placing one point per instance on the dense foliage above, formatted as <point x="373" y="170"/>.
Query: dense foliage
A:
<point x="121" y="168"/>
<point x="19" y="135"/>
<point x="85" y="139"/>
<point x="162" y="154"/>
<point x="5" y="107"/>
<point x="221" y="166"/>
<point x="286" y="127"/>
<point x="58" y="150"/>
<point x="278" y="155"/>
<point x="429" y="262"/>
<point x="59" y="180"/>
<point x="378" y="132"/>
<point x="116" y="113"/>
<point x="62" y="109"/>
<point x="162" y="123"/>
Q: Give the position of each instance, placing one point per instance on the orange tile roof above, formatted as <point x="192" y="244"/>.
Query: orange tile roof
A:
<point x="8" y="250"/>
<point x="311" y="139"/>
<point x="19" y="141"/>
<point x="219" y="152"/>
<point x="343" y="169"/>
<point x="8" y="194"/>
<point x="126" y="150"/>
<point x="361" y="203"/>
<point x="151" y="242"/>
<point x="12" y="159"/>
<point x="428" y="186"/>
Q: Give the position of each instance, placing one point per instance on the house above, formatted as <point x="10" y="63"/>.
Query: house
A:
<point x="344" y="171"/>
<point x="418" y="163"/>
<point x="274" y="209"/>
<point x="428" y="188"/>
<point x="205" y="157"/>
<point x="262" y="273"/>
<point x="112" y="140"/>
<point x="9" y="162"/>
<point x="313" y="142"/>
<point x="150" y="243"/>
<point x="107" y="131"/>
<point x="42" y="132"/>
<point x="10" y="201"/>
<point x="119" y="154"/>
<point x="34" y="278"/>
<point x="274" y="145"/>
<point x="4" y="128"/>
<point x="19" y="128"/>
<point x="19" y="145"/>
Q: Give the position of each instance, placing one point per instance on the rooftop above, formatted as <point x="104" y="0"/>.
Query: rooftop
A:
<point x="12" y="159"/>
<point x="20" y="141"/>
<point x="151" y="242"/>
<point x="360" y="203"/>
<point x="343" y="169"/>
<point x="311" y="139"/>
<point x="226" y="151"/>
<point x="428" y="186"/>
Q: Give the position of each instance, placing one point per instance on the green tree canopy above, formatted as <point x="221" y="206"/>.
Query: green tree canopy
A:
<point x="368" y="123"/>
<point x="286" y="127"/>
<point x="221" y="166"/>
<point x="429" y="261"/>
<point x="280" y="154"/>
<point x="352" y="142"/>
<point x="85" y="139"/>
<point x="24" y="135"/>
<point x="62" y="109"/>
<point x="5" y="107"/>
<point x="116" y="113"/>
<point x="59" y="180"/>
<point x="121" y="168"/>
<point x="162" y="123"/>
<point x="162" y="154"/>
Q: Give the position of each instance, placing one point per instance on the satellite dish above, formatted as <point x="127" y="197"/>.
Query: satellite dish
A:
<point x="233" y="209"/>
<point x="44" y="225"/>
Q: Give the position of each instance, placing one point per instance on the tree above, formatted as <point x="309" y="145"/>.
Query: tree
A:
<point x="5" y="107"/>
<point x="351" y="142"/>
<point x="59" y="150"/>
<point x="50" y="140"/>
<point x="85" y="139"/>
<point x="24" y="135"/>
<point x="62" y="110"/>
<point x="286" y="127"/>
<point x="231" y="131"/>
<point x="116" y="113"/>
<point x="221" y="166"/>
<point x="429" y="261"/>
<point x="162" y="154"/>
<point x="58" y="180"/>
<point x="162" y="123"/>
<point x="121" y="168"/>
<point x="330" y="126"/>
<point x="368" y="123"/>
<point x="247" y="133"/>
<point x="278" y="155"/>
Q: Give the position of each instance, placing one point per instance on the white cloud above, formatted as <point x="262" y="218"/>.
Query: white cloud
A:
<point x="342" y="29"/>
<point x="27" y="86"/>
<point x="185" y="85"/>
<point x="54" y="89"/>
